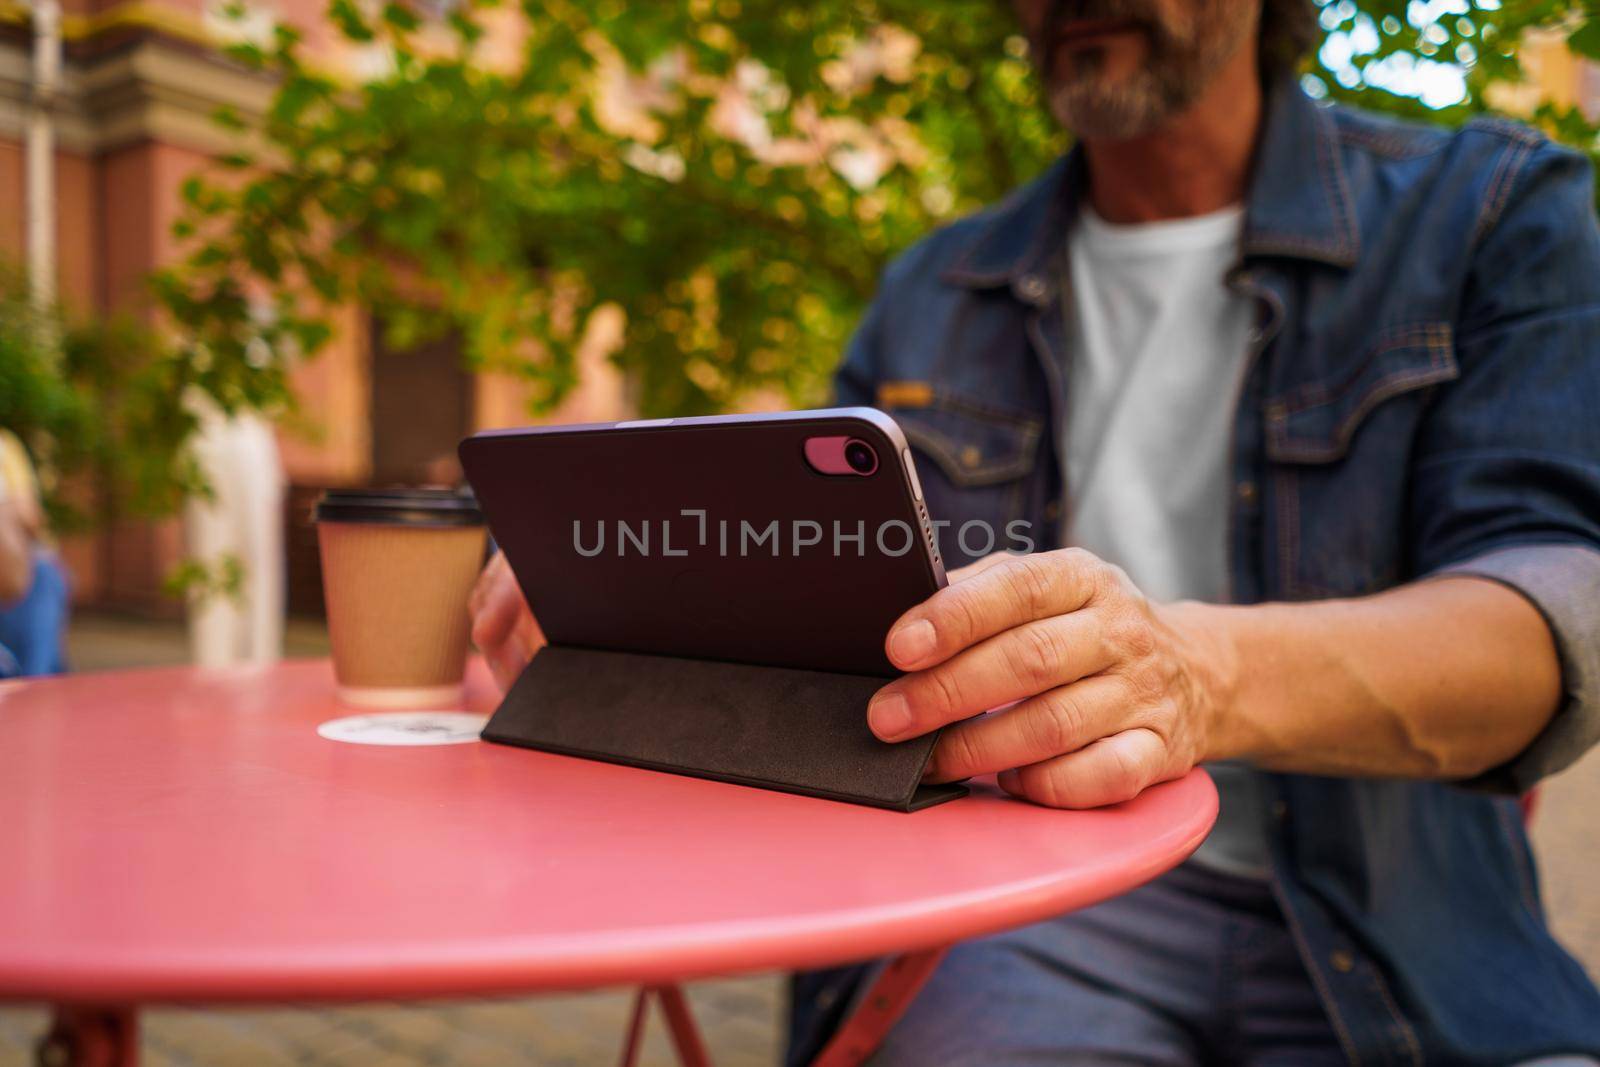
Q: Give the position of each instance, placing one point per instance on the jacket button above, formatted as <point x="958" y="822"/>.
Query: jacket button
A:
<point x="970" y="456"/>
<point x="1052" y="510"/>
<point x="1246" y="491"/>
<point x="1342" y="961"/>
<point x="1031" y="287"/>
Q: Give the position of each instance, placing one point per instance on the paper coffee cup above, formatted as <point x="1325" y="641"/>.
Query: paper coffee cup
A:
<point x="397" y="568"/>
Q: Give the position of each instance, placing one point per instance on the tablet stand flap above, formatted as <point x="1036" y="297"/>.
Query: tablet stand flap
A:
<point x="795" y="730"/>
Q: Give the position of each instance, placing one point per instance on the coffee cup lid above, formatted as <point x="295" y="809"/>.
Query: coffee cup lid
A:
<point x="399" y="507"/>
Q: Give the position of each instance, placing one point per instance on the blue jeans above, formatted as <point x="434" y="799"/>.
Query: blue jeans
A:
<point x="1194" y="968"/>
<point x="33" y="628"/>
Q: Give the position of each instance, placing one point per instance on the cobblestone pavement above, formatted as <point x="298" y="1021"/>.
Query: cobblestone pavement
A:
<point x="1566" y="838"/>
<point x="741" y="1018"/>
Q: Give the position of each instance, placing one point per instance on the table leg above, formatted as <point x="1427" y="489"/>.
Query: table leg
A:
<point x="641" y="1008"/>
<point x="90" y="1037"/>
<point x="680" y="1023"/>
<point x="879" y="1009"/>
<point x="686" y="1040"/>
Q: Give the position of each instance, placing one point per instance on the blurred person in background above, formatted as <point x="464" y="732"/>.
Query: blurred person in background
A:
<point x="16" y="569"/>
<point x="34" y="595"/>
<point x="1312" y="395"/>
<point x="15" y="574"/>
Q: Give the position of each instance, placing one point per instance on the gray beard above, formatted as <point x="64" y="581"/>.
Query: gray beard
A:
<point x="1168" y="84"/>
<point x="1116" y="113"/>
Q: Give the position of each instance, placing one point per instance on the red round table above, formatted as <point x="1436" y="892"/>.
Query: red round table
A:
<point x="179" y="835"/>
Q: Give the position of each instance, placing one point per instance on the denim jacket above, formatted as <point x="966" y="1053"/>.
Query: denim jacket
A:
<point x="1423" y="397"/>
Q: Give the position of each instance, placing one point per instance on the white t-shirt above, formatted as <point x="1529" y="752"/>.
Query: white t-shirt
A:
<point x="1157" y="348"/>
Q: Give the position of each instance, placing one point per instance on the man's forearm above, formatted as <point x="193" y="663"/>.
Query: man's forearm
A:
<point x="1439" y="679"/>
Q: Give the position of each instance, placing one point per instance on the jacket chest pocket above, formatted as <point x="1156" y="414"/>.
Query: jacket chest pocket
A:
<point x="974" y="463"/>
<point x="1339" y="454"/>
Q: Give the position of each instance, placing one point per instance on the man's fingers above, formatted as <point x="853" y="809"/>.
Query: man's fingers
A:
<point x="506" y="669"/>
<point x="497" y="605"/>
<point x="1008" y="593"/>
<point x="1019" y="663"/>
<point x="1108" y="771"/>
<point x="977" y="567"/>
<point x="510" y="656"/>
<point x="503" y="628"/>
<point x="493" y="621"/>
<point x="492" y="574"/>
<point x="1062" y="720"/>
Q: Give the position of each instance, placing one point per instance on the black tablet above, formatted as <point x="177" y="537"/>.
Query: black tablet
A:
<point x="716" y="593"/>
<point x="792" y="539"/>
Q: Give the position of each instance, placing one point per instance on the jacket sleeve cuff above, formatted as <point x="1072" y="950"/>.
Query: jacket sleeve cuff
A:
<point x="1563" y="582"/>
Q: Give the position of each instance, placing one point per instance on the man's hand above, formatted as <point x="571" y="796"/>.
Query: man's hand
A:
<point x="1109" y="693"/>
<point x="502" y="626"/>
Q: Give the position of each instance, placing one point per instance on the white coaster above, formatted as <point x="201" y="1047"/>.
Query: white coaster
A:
<point x="406" y="728"/>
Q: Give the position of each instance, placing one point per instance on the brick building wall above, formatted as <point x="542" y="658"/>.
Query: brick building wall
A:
<point x="132" y="119"/>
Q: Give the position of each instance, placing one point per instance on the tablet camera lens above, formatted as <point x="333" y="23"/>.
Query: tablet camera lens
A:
<point x="862" y="459"/>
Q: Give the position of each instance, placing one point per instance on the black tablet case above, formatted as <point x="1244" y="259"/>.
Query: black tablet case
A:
<point x="795" y="730"/>
<point x="759" y="675"/>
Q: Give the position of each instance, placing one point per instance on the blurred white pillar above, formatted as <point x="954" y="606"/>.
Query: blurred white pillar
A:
<point x="41" y="152"/>
<point x="244" y="520"/>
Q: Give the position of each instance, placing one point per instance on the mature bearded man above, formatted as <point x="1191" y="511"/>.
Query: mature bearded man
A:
<point x="1311" y="394"/>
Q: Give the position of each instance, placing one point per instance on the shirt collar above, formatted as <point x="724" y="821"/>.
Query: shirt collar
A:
<point x="1299" y="204"/>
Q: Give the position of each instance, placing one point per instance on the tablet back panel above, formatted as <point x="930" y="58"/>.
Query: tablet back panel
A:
<point x="710" y="538"/>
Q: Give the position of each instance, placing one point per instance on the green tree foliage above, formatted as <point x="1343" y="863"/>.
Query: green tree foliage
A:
<point x="108" y="400"/>
<point x="733" y="174"/>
